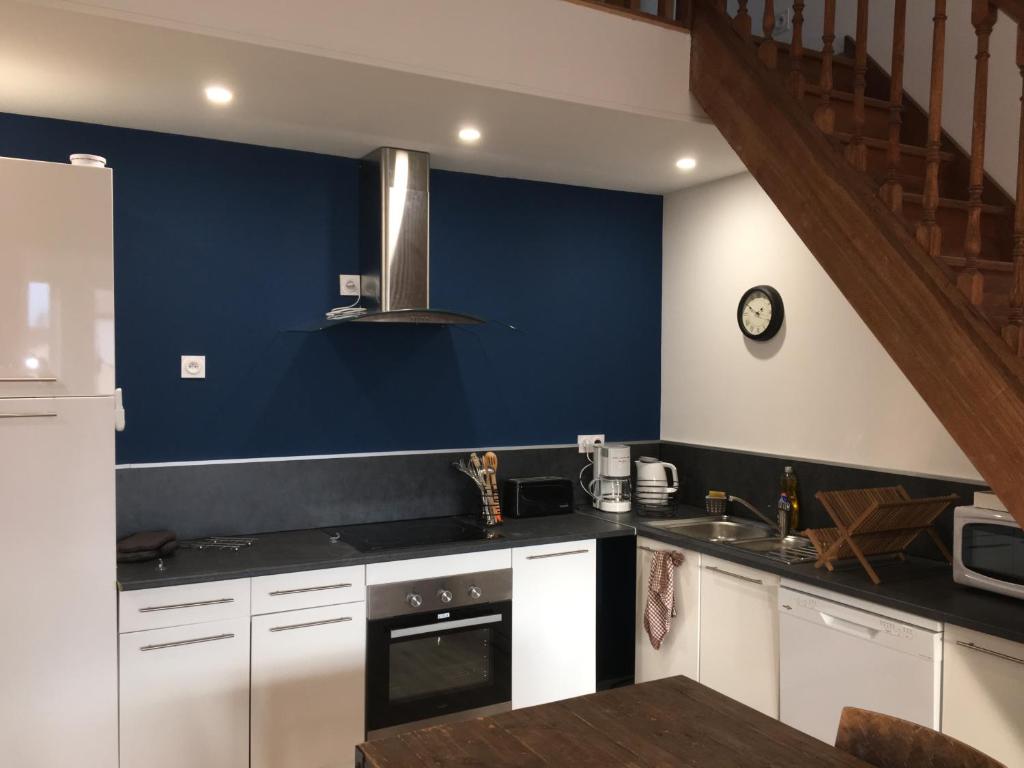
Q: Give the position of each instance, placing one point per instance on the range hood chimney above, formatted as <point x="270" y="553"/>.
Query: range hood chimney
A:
<point x="395" y="241"/>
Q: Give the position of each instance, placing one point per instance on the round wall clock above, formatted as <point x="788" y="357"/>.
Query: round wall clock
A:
<point x="760" y="313"/>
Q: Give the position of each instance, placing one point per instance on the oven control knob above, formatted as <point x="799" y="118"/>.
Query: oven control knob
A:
<point x="414" y="600"/>
<point x="445" y="596"/>
<point x="474" y="592"/>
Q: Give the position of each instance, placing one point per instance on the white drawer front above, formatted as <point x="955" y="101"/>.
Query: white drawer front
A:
<point x="186" y="604"/>
<point x="308" y="589"/>
<point x="444" y="565"/>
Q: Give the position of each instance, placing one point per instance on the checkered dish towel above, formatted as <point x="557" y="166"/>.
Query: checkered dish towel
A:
<point x="661" y="601"/>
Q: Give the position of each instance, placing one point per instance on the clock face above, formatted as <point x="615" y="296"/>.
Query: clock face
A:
<point x="760" y="313"/>
<point x="757" y="313"/>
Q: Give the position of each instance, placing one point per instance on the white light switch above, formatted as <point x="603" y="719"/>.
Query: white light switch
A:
<point x="348" y="285"/>
<point x="193" y="366"/>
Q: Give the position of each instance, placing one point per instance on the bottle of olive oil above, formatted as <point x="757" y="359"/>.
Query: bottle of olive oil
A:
<point x="790" y="490"/>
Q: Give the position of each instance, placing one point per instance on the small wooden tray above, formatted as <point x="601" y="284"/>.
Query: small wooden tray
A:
<point x="875" y="521"/>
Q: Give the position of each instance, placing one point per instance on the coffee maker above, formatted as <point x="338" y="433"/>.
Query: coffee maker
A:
<point x="610" y="488"/>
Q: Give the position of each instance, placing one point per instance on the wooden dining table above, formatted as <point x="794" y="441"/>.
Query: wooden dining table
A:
<point x="671" y="722"/>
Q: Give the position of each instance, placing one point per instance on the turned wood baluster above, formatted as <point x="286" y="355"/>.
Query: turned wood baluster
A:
<point x="825" y="114"/>
<point x="768" y="51"/>
<point x="971" y="281"/>
<point x="741" y="22"/>
<point x="857" y="152"/>
<point x="1014" y="331"/>
<point x="928" y="232"/>
<point x="892" y="189"/>
<point x="796" y="51"/>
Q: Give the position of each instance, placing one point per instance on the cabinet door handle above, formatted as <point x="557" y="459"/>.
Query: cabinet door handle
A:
<point x="558" y="554"/>
<point x="28" y="380"/>
<point x="716" y="569"/>
<point x="193" y="641"/>
<point x="286" y="627"/>
<point x="279" y="592"/>
<point x="219" y="601"/>
<point x="990" y="652"/>
<point x="28" y="415"/>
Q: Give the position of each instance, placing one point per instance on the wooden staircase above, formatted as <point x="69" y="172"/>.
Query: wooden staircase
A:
<point x="926" y="247"/>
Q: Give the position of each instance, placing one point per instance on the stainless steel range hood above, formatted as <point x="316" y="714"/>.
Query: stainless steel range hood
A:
<point x="395" y="241"/>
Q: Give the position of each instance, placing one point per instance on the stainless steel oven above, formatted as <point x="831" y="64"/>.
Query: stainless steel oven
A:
<point x="988" y="550"/>
<point x="438" y="647"/>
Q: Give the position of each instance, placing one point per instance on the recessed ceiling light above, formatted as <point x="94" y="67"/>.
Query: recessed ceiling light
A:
<point x="218" y="94"/>
<point x="686" y="163"/>
<point x="469" y="135"/>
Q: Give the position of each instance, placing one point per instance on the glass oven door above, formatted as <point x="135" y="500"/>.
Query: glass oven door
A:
<point x="432" y="664"/>
<point x="994" y="550"/>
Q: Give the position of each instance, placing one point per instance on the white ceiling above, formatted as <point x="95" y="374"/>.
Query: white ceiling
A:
<point x="58" y="63"/>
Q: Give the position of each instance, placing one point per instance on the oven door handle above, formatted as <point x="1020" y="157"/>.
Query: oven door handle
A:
<point x="426" y="629"/>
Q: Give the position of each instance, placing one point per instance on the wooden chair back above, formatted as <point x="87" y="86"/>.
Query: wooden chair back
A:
<point x="888" y="742"/>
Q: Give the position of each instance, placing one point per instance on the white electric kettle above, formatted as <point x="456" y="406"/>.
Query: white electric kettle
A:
<point x="653" y="485"/>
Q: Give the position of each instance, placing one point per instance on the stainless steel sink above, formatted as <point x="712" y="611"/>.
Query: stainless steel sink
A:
<point x="721" y="528"/>
<point x="792" y="549"/>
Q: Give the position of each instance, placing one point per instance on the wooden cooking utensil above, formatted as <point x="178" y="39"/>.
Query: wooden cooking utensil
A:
<point x="491" y="477"/>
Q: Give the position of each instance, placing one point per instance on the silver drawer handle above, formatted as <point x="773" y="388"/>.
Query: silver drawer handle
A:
<point x="28" y="380"/>
<point x="310" y="624"/>
<point x="193" y="641"/>
<point x="558" y="554"/>
<point x="997" y="654"/>
<point x="716" y="569"/>
<point x="279" y="592"/>
<point x="28" y="415"/>
<point x="198" y="604"/>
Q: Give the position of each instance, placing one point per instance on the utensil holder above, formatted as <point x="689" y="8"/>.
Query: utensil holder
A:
<point x="490" y="507"/>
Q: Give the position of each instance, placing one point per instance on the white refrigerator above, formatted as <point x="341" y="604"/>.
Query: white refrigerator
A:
<point x="58" y="633"/>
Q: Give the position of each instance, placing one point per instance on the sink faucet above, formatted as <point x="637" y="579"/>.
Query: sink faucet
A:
<point x="781" y="525"/>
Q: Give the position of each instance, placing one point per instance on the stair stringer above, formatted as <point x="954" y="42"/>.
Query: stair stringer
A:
<point x="961" y="367"/>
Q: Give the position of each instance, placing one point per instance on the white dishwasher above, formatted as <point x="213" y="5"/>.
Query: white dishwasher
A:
<point x="838" y="651"/>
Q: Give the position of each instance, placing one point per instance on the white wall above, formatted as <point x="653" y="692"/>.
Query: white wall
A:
<point x="823" y="389"/>
<point x="542" y="47"/>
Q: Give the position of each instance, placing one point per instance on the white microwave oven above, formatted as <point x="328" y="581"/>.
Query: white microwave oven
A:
<point x="988" y="550"/>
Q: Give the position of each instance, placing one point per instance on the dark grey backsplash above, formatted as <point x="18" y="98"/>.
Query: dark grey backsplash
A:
<point x="261" y="497"/>
<point x="755" y="477"/>
<point x="266" y="496"/>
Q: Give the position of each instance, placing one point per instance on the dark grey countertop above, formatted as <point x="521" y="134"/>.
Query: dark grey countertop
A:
<point x="919" y="586"/>
<point x="309" y="550"/>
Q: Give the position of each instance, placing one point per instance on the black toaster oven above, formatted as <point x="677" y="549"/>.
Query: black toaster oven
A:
<point x="536" y="496"/>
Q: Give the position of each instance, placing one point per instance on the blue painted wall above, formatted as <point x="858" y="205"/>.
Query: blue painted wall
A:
<point x="220" y="247"/>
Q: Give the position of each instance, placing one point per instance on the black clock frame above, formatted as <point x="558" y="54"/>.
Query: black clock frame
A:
<point x="778" y="313"/>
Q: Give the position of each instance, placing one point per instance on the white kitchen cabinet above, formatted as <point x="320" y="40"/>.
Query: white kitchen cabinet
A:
<point x="57" y="291"/>
<point x="308" y="687"/>
<point x="679" y="652"/>
<point x="739" y="633"/>
<point x="58" y="644"/>
<point x="982" y="699"/>
<point x="554" y="622"/>
<point x="185" y="696"/>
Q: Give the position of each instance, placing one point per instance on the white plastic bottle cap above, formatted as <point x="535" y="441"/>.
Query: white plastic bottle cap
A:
<point x="91" y="161"/>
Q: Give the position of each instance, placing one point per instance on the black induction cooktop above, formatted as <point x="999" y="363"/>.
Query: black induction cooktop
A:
<point x="402" y="534"/>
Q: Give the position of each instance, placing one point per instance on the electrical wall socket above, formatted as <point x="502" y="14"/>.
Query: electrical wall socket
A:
<point x="585" y="443"/>
<point x="349" y="285"/>
<point x="193" y="366"/>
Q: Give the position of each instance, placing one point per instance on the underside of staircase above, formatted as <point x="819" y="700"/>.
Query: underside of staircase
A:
<point x="930" y="269"/>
